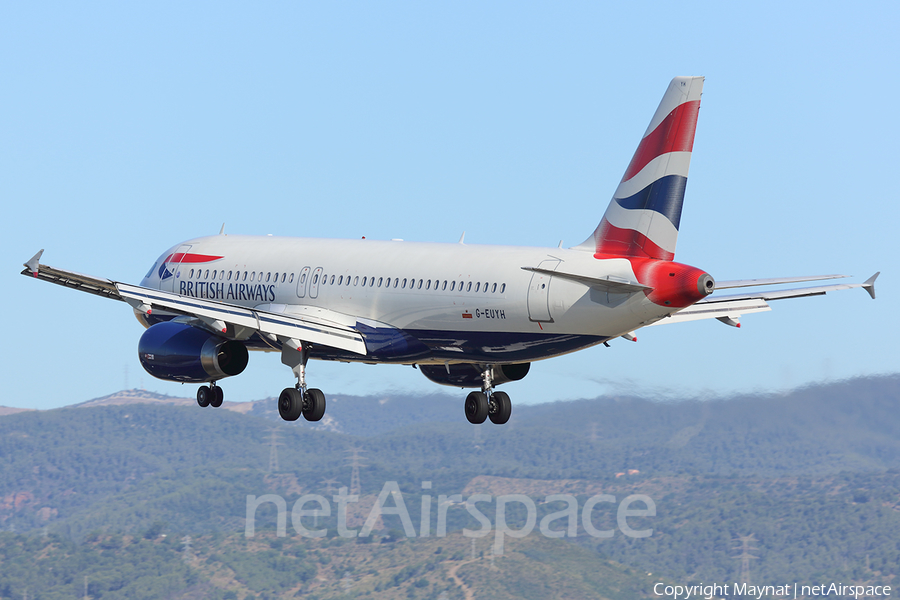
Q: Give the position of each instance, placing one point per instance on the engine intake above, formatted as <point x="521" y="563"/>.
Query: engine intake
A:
<point x="467" y="375"/>
<point x="181" y="352"/>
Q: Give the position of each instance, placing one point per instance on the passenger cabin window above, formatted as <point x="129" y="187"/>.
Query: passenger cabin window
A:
<point x="469" y="287"/>
<point x="291" y="280"/>
<point x="452" y="285"/>
<point x="444" y="287"/>
<point x="380" y="279"/>
<point x="485" y="287"/>
<point x="494" y="288"/>
<point x="403" y="285"/>
<point x="502" y="287"/>
<point x="477" y="285"/>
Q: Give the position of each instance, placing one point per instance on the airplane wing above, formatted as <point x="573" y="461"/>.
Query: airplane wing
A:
<point x="728" y="309"/>
<point x="229" y="319"/>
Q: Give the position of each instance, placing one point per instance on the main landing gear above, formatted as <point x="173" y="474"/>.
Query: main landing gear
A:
<point x="488" y="404"/>
<point x="293" y="402"/>
<point x="210" y="395"/>
<point x="299" y="400"/>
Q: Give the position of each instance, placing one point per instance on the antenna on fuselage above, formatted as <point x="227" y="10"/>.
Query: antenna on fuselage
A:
<point x="462" y="238"/>
<point x="222" y="231"/>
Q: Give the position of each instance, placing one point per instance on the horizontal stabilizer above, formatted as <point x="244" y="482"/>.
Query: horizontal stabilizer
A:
<point x="600" y="283"/>
<point x="742" y="283"/>
<point x="728" y="309"/>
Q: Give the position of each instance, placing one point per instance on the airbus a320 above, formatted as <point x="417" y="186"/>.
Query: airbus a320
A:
<point x="470" y="316"/>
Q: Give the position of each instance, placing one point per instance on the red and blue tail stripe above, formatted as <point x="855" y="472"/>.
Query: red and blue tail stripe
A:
<point x="643" y="217"/>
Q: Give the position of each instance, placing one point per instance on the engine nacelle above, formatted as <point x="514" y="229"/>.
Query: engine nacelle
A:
<point x="180" y="352"/>
<point x="469" y="376"/>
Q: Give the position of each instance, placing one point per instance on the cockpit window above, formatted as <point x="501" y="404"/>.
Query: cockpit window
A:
<point x="150" y="272"/>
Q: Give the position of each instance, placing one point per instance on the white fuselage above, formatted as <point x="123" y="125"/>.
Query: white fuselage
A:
<point x="463" y="303"/>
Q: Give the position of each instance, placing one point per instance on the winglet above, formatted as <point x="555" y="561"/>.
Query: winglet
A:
<point x="869" y="284"/>
<point x="33" y="263"/>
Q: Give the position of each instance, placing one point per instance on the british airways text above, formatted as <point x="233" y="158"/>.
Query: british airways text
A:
<point x="227" y="291"/>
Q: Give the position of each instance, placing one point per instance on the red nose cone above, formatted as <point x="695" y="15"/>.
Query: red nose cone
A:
<point x="674" y="284"/>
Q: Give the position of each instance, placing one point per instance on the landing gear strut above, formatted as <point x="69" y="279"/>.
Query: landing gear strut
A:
<point x="210" y="395"/>
<point x="299" y="400"/>
<point x="488" y="404"/>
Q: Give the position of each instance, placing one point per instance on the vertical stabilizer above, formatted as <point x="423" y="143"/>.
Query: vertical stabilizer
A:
<point x="643" y="217"/>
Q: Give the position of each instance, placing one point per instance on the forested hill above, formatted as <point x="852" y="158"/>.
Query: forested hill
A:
<point x="847" y="426"/>
<point x="799" y="470"/>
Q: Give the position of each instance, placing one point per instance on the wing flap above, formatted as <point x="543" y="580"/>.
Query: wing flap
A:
<point x="309" y="329"/>
<point x="732" y="309"/>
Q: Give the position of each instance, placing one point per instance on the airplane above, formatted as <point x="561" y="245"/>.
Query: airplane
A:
<point x="469" y="316"/>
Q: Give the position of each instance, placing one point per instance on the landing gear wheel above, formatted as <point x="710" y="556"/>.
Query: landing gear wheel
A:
<point x="477" y="407"/>
<point x="290" y="404"/>
<point x="314" y="405"/>
<point x="500" y="409"/>
<point x="217" y="396"/>
<point x="204" y="395"/>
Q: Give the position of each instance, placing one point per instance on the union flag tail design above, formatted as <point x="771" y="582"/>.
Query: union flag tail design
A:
<point x="643" y="217"/>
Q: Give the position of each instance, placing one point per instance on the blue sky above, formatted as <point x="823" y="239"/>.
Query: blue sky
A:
<point x="126" y="129"/>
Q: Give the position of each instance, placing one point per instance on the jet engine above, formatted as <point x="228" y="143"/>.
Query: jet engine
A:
<point x="467" y="375"/>
<point x="181" y="352"/>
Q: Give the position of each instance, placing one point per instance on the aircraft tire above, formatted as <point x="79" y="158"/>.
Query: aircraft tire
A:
<point x="290" y="404"/>
<point x="203" y="396"/>
<point x="314" y="407"/>
<point x="218" y="396"/>
<point x="503" y="408"/>
<point x="477" y="407"/>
